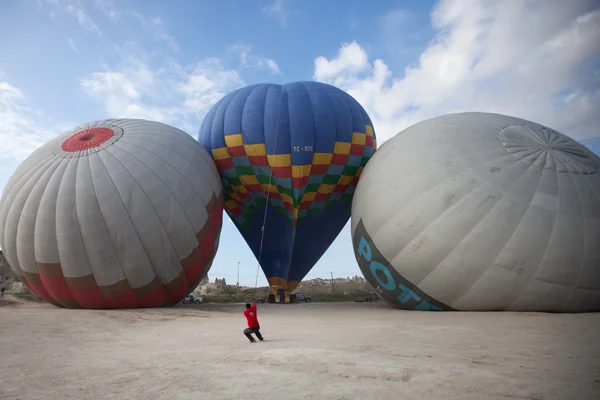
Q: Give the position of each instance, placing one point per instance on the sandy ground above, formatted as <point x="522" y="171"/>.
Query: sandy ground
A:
<point x="312" y="351"/>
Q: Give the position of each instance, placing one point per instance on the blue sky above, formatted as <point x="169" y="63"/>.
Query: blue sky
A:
<point x="66" y="62"/>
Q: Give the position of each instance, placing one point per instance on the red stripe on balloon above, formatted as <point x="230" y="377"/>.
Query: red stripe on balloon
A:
<point x="297" y="183"/>
<point x="53" y="280"/>
<point x="225" y="163"/>
<point x="339" y="159"/>
<point x="56" y="286"/>
<point x="155" y="299"/>
<point x="254" y="188"/>
<point x="259" y="161"/>
<point x="177" y="289"/>
<point x="126" y="300"/>
<point x="194" y="272"/>
<point x="319" y="169"/>
<point x="357" y="149"/>
<point x="207" y="246"/>
<point x="89" y="298"/>
<point x="237" y="151"/>
<point x="282" y="172"/>
<point x="33" y="282"/>
<point x="321" y="197"/>
<point x="216" y="215"/>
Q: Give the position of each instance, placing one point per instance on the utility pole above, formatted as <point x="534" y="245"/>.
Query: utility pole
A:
<point x="332" y="289"/>
<point x="238" y="281"/>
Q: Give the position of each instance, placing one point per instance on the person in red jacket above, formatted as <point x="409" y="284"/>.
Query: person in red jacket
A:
<point x="253" y="325"/>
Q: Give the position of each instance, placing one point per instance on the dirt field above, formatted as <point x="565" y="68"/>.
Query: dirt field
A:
<point x="312" y="351"/>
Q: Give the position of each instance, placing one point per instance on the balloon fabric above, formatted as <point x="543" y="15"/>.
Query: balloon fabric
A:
<point x="289" y="157"/>
<point x="118" y="213"/>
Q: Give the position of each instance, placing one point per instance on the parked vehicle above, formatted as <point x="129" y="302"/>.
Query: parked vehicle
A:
<point x="303" y="297"/>
<point x="192" y="298"/>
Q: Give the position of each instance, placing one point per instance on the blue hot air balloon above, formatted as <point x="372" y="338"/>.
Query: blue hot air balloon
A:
<point x="289" y="157"/>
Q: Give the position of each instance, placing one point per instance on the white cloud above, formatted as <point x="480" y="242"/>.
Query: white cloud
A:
<point x="272" y="65"/>
<point x="76" y="9"/>
<point x="351" y="59"/>
<point x="109" y="9"/>
<point x="278" y="11"/>
<point x="129" y="93"/>
<point x="170" y="93"/>
<point x="249" y="60"/>
<point x="22" y="129"/>
<point x="157" y="26"/>
<point x="486" y="56"/>
<point x="72" y="45"/>
<point x="207" y="83"/>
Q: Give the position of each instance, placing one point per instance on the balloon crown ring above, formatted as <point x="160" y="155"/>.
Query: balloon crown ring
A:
<point x="89" y="140"/>
<point x="545" y="148"/>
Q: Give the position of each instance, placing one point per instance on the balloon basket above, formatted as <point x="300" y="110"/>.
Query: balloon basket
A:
<point x="281" y="299"/>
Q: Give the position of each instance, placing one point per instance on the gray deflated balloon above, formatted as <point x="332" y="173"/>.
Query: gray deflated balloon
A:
<point x="477" y="211"/>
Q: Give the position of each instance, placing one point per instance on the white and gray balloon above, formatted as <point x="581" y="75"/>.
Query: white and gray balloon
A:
<point x="118" y="213"/>
<point x="478" y="211"/>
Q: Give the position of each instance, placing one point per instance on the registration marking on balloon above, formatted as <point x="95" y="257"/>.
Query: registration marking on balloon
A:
<point x="298" y="149"/>
<point x="390" y="285"/>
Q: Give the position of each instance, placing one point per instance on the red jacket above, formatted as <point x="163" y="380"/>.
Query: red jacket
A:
<point x="251" y="316"/>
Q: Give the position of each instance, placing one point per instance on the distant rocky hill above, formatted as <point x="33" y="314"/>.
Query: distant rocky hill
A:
<point x="347" y="285"/>
<point x="338" y="285"/>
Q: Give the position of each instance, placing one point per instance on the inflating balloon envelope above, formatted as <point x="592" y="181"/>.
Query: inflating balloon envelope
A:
<point x="119" y="213"/>
<point x="486" y="212"/>
<point x="289" y="157"/>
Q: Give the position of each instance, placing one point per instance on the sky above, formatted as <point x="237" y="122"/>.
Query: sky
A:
<point x="67" y="62"/>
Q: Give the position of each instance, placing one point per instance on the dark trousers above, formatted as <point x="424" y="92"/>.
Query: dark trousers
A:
<point x="256" y="330"/>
